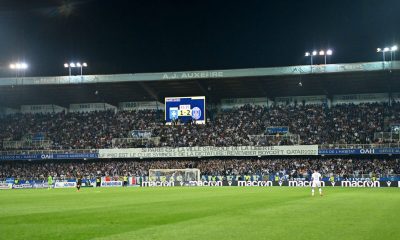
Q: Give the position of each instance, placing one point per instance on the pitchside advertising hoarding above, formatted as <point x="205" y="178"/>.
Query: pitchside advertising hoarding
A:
<point x="111" y="184"/>
<point x="225" y="183"/>
<point x="344" y="184"/>
<point x="185" y="109"/>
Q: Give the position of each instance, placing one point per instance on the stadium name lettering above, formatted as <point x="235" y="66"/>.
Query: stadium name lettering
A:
<point x="188" y="75"/>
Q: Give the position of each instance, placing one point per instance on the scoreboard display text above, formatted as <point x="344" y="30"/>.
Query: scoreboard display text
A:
<point x="185" y="109"/>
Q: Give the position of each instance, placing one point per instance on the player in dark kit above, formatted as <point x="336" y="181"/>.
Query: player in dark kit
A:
<point x="125" y="183"/>
<point x="79" y="183"/>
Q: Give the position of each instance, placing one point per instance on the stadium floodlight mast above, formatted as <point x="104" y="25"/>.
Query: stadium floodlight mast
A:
<point x="324" y="53"/>
<point x="19" y="67"/>
<point x="311" y="55"/>
<point x="384" y="50"/>
<point x="75" y="65"/>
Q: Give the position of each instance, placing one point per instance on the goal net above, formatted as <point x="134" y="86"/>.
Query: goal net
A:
<point x="174" y="175"/>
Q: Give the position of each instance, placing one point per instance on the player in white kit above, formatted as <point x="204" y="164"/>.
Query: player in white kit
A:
<point x="316" y="182"/>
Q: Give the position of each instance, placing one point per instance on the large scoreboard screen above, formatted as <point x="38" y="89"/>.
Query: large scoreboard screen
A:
<point x="186" y="109"/>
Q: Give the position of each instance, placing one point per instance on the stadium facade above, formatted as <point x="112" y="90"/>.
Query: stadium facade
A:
<point x="327" y="85"/>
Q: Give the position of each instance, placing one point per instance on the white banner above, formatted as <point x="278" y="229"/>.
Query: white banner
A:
<point x="111" y="184"/>
<point x="244" y="151"/>
<point x="65" y="184"/>
<point x="5" y="186"/>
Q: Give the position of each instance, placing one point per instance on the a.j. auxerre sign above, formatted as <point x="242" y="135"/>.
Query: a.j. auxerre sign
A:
<point x="247" y="151"/>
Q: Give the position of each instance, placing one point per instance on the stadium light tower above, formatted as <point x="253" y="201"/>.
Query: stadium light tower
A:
<point x="19" y="67"/>
<point x="325" y="53"/>
<point x="383" y="51"/>
<point x="393" y="50"/>
<point x="75" y="65"/>
<point x="311" y="55"/>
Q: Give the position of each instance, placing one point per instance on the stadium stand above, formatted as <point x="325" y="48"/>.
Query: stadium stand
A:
<point x="314" y="124"/>
<point x="288" y="168"/>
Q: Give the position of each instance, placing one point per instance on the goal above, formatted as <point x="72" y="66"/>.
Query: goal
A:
<point x="174" y="175"/>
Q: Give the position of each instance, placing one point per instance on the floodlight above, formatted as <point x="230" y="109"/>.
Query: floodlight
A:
<point x="329" y="52"/>
<point x="23" y="65"/>
<point x="321" y="53"/>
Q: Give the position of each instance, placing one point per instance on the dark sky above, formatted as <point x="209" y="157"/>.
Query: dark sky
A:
<point x="128" y="36"/>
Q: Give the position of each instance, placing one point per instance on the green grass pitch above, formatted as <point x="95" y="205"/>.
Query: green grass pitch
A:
<point x="200" y="213"/>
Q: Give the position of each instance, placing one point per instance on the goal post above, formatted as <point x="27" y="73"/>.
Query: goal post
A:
<point x="175" y="175"/>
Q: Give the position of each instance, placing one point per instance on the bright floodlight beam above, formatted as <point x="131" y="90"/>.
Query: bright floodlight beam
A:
<point x="308" y="54"/>
<point x="322" y="53"/>
<point x="314" y="53"/>
<point x="329" y="52"/>
<point x="75" y="65"/>
<point x="19" y="66"/>
<point x="392" y="49"/>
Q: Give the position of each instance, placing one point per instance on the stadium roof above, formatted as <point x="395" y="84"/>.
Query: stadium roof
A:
<point x="216" y="84"/>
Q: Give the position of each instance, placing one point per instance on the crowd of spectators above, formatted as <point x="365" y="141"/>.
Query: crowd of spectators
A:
<point x="292" y="167"/>
<point x="313" y="124"/>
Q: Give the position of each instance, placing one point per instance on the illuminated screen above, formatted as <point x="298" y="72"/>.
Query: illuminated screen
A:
<point x="186" y="109"/>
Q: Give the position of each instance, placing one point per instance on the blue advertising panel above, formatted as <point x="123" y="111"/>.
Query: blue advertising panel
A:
<point x="275" y="130"/>
<point x="359" y="151"/>
<point x="185" y="109"/>
<point x="49" y="156"/>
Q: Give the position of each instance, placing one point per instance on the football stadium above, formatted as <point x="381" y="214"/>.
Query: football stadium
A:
<point x="299" y="151"/>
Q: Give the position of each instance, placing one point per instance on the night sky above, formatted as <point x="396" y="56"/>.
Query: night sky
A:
<point x="117" y="36"/>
